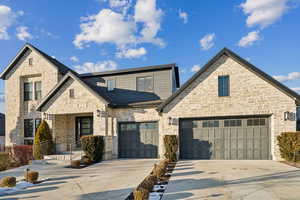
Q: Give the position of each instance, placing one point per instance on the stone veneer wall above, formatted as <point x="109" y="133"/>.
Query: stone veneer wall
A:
<point x="16" y="108"/>
<point x="249" y="95"/>
<point x="65" y="109"/>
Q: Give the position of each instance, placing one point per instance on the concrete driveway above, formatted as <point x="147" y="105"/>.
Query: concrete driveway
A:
<point x="257" y="180"/>
<point x="109" y="180"/>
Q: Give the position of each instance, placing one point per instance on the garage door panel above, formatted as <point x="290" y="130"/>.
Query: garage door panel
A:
<point x="244" y="138"/>
<point x="138" y="140"/>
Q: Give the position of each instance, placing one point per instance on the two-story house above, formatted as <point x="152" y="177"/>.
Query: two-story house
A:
<point x="228" y="110"/>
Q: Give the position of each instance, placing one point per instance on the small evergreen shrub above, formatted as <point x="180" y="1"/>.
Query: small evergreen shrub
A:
<point x="4" y="161"/>
<point x="93" y="147"/>
<point x="31" y="176"/>
<point x="141" y="194"/>
<point x="75" y="163"/>
<point x="289" y="146"/>
<point x="171" y="147"/>
<point x="8" y="181"/>
<point x="43" y="143"/>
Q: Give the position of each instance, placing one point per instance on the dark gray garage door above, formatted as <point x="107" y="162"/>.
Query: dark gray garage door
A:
<point x="229" y="139"/>
<point x="138" y="140"/>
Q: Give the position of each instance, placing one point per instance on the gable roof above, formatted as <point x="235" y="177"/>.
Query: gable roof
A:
<point x="64" y="80"/>
<point x="244" y="63"/>
<point x="130" y="70"/>
<point x="61" y="67"/>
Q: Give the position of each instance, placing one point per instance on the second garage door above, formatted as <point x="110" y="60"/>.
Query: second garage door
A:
<point x="229" y="138"/>
<point x="138" y="140"/>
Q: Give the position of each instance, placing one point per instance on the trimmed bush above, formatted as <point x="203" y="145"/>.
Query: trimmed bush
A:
<point x="4" y="161"/>
<point x="289" y="146"/>
<point x="75" y="163"/>
<point x="159" y="171"/>
<point x="93" y="147"/>
<point x="148" y="182"/>
<point x="43" y="143"/>
<point x="141" y="194"/>
<point x="31" y="176"/>
<point x="171" y="147"/>
<point x="86" y="160"/>
<point x="8" y="181"/>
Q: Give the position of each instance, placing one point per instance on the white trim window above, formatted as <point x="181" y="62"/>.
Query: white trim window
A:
<point x="30" y="127"/>
<point x="111" y="84"/>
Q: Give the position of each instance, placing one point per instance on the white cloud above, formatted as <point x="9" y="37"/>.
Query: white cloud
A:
<point x="96" y="67"/>
<point x="264" y="12"/>
<point x="207" y="41"/>
<point x="107" y="26"/>
<point x="74" y="59"/>
<point x="147" y="13"/>
<point x="126" y="31"/>
<point x="7" y="18"/>
<point x="195" y="68"/>
<point x="131" y="53"/>
<point x="290" y="77"/>
<point x="297" y="89"/>
<point x="183" y="16"/>
<point x="249" y="39"/>
<point x="23" y="34"/>
<point x="122" y="5"/>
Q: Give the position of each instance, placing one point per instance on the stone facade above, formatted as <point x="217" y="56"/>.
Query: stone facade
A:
<point x="16" y="108"/>
<point x="249" y="95"/>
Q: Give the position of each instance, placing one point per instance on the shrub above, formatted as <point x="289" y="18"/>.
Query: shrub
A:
<point x="86" y="160"/>
<point x="43" y="143"/>
<point x="148" y="182"/>
<point x="4" y="161"/>
<point x="75" y="163"/>
<point x="141" y="194"/>
<point x="31" y="176"/>
<point x="8" y="181"/>
<point x="289" y="146"/>
<point x="20" y="154"/>
<point x="171" y="147"/>
<point x="93" y="146"/>
<point x="159" y="171"/>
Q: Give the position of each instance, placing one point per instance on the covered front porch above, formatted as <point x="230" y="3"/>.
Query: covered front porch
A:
<point x="69" y="128"/>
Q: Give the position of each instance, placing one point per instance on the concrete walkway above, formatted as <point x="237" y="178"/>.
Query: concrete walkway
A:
<point x="248" y="180"/>
<point x="103" y="181"/>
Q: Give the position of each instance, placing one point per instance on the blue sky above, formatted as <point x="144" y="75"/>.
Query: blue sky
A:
<point x="114" y="34"/>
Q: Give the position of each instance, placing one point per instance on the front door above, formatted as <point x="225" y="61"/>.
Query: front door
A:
<point x="84" y="126"/>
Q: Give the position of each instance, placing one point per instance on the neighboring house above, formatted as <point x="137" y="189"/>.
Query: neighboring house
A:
<point x="2" y="129"/>
<point x="228" y="110"/>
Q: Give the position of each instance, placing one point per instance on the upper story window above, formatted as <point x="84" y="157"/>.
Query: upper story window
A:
<point x="28" y="128"/>
<point x="223" y="86"/>
<point x="30" y="61"/>
<point x="298" y="118"/>
<point x="38" y="90"/>
<point x="111" y="84"/>
<point x="144" y="84"/>
<point x="28" y="91"/>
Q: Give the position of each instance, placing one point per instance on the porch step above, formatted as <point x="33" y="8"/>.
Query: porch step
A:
<point x="76" y="155"/>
